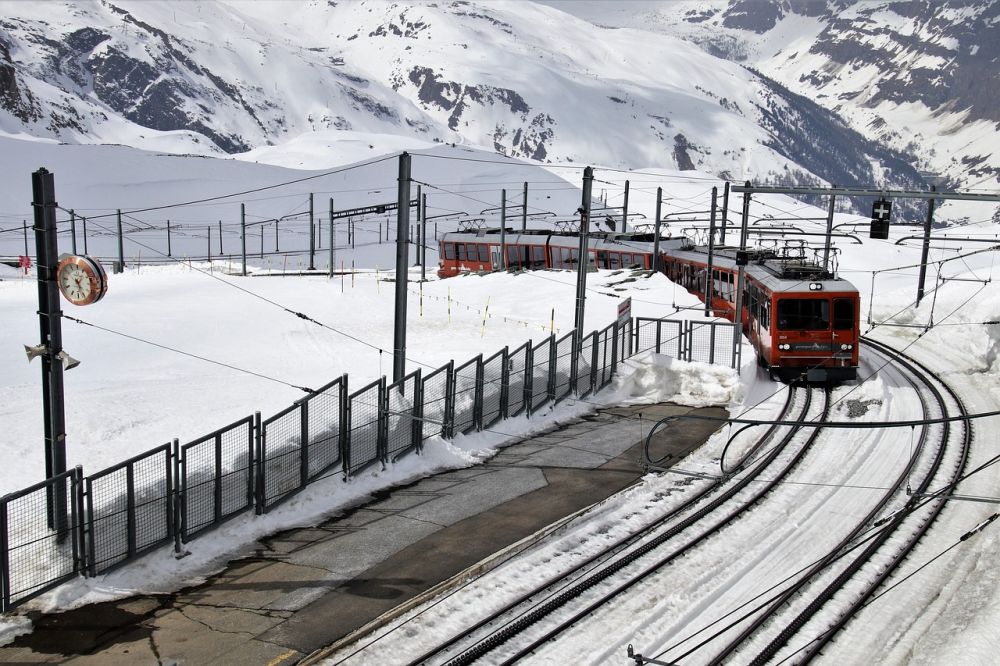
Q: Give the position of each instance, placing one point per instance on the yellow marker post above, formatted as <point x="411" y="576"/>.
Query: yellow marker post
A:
<point x="552" y="322"/>
<point x="486" y="315"/>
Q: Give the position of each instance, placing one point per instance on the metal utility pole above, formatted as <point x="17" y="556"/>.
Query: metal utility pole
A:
<point x="925" y="250"/>
<point x="503" y="230"/>
<point x="625" y="208"/>
<point x="209" y="247"/>
<point x="725" y="213"/>
<point x="24" y="226"/>
<point x="333" y="241"/>
<point x="50" y="329"/>
<point x="423" y="237"/>
<point x="121" y="246"/>
<point x="581" y="277"/>
<point x="417" y="229"/>
<point x="656" y="230"/>
<point x="709" y="278"/>
<point x="524" y="209"/>
<point x="829" y="231"/>
<point x="72" y="228"/>
<point x="168" y="237"/>
<point x="312" y="236"/>
<point x="738" y="333"/>
<point x="243" y="236"/>
<point x="221" y="252"/>
<point x="402" y="254"/>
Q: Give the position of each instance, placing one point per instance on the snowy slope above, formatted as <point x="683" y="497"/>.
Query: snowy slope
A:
<point x="516" y="78"/>
<point x="918" y="77"/>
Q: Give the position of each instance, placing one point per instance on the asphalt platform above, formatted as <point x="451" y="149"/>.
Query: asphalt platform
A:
<point x="307" y="589"/>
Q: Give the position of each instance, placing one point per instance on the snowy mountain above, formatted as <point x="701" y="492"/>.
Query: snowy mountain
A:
<point x="918" y="77"/>
<point x="520" y="79"/>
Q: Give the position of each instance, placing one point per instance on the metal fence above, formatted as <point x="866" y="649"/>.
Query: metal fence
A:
<point x="73" y="524"/>
<point x="689" y="340"/>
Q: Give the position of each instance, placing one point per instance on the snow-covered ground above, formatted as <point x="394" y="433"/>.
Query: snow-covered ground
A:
<point x="128" y="396"/>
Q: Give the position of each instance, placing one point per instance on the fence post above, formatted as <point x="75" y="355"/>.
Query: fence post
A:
<point x="418" y="411"/>
<point x="130" y="509"/>
<point x="342" y="416"/>
<point x="574" y="356"/>
<point x="504" y="382"/>
<point x="4" y="558"/>
<point x="79" y="538"/>
<point x="614" y="347"/>
<point x="258" y="465"/>
<point x="448" y="419"/>
<point x="304" y="434"/>
<point x="179" y="500"/>
<point x="593" y="362"/>
<point x="477" y="395"/>
<point x="711" y="344"/>
<point x="382" y="447"/>
<point x="550" y="384"/>
<point x="529" y="376"/>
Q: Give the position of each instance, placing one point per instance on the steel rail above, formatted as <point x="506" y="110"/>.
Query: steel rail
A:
<point x="532" y="616"/>
<point x="603" y="555"/>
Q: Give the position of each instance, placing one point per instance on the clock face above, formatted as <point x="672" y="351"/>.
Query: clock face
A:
<point x="81" y="280"/>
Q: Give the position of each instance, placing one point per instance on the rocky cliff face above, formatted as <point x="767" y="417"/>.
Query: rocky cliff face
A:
<point x="511" y="78"/>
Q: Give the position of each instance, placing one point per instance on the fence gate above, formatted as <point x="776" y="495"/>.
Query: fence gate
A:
<point x="688" y="340"/>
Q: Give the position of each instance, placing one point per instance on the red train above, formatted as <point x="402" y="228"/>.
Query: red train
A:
<point x="802" y="320"/>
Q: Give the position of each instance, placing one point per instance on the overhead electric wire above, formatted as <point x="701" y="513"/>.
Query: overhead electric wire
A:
<point x="184" y="353"/>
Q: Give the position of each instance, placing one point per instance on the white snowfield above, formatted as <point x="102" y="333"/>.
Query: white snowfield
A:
<point x="128" y="396"/>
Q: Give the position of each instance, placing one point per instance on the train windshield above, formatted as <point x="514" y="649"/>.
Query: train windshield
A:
<point x="803" y="314"/>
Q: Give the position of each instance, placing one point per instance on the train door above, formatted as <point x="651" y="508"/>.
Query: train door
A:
<point x="495" y="257"/>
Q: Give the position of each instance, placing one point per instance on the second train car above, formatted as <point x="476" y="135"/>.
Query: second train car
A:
<point x="801" y="319"/>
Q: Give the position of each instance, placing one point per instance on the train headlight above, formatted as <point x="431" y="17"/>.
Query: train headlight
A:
<point x="846" y="347"/>
<point x="815" y="286"/>
<point x="784" y="346"/>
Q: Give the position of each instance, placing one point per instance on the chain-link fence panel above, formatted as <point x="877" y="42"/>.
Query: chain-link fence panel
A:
<point x="564" y="365"/>
<point x="325" y="410"/>
<point x="516" y="372"/>
<point x="281" y="456"/>
<point x="663" y="336"/>
<point x="585" y="365"/>
<point x="605" y="356"/>
<point x="493" y="387"/>
<point x="41" y="529"/>
<point x="402" y="405"/>
<point x="436" y="393"/>
<point x="365" y="439"/>
<point x="468" y="395"/>
<point x="129" y="509"/>
<point x="541" y="373"/>
<point x="624" y="344"/>
<point x="216" y="477"/>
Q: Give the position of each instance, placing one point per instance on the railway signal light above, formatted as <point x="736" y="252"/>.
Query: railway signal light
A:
<point x="881" y="210"/>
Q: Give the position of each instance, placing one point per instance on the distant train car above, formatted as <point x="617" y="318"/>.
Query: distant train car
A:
<point x="479" y="250"/>
<point x="802" y="320"/>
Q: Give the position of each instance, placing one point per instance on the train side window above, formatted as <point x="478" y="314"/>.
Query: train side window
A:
<point x="460" y="248"/>
<point x="538" y="256"/>
<point x="484" y="253"/>
<point x="765" y="315"/>
<point x="843" y="314"/>
<point x="449" y="251"/>
<point x="614" y="260"/>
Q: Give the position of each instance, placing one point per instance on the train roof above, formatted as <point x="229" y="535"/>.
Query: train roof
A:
<point x="638" y="242"/>
<point x="766" y="267"/>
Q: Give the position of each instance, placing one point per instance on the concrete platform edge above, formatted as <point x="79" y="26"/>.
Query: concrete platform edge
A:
<point x="478" y="569"/>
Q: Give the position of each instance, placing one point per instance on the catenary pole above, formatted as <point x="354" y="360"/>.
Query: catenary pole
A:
<point x="402" y="255"/>
<point x="656" y="230"/>
<point x="581" y="278"/>
<point x="925" y="250"/>
<point x="709" y="278"/>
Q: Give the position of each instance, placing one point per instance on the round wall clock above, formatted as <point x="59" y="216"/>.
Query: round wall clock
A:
<point x="81" y="279"/>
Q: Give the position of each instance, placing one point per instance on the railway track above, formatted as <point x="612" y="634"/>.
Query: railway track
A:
<point x="513" y="632"/>
<point x="840" y="582"/>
